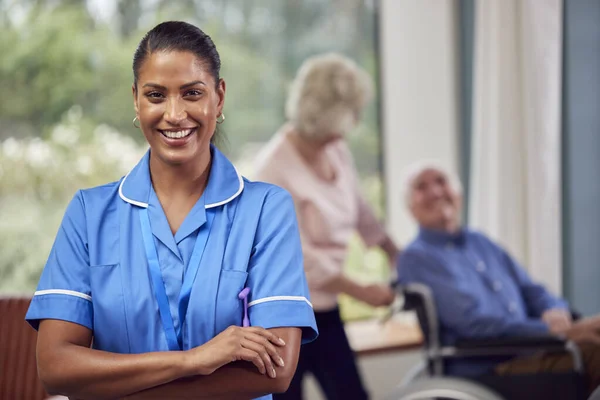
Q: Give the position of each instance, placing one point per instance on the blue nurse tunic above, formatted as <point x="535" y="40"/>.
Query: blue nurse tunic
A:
<point x="98" y="274"/>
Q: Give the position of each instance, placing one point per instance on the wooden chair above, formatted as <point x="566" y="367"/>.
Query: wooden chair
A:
<point x="18" y="369"/>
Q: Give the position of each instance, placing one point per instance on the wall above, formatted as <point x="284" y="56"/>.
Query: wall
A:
<point x="420" y="94"/>
<point x="581" y="151"/>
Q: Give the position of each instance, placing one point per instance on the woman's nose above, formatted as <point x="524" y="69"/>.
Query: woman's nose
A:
<point x="175" y="111"/>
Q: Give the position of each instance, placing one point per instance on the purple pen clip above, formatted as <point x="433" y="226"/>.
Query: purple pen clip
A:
<point x="244" y="296"/>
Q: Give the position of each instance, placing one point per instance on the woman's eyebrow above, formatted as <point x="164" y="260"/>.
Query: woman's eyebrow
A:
<point x="194" y="83"/>
<point x="184" y="86"/>
<point x="155" y="85"/>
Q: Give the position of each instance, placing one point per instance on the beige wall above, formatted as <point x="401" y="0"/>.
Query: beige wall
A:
<point x="419" y="64"/>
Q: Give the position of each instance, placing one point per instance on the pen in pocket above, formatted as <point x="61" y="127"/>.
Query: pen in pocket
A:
<point x="243" y="295"/>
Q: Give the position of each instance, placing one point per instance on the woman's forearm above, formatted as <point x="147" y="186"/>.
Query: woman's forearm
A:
<point x="236" y="381"/>
<point x="92" y="374"/>
<point x="342" y="284"/>
<point x="69" y="367"/>
<point x="391" y="250"/>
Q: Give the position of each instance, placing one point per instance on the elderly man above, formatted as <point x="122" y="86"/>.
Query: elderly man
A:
<point x="479" y="289"/>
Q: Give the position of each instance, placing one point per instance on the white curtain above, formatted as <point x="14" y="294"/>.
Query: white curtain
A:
<point x="515" y="181"/>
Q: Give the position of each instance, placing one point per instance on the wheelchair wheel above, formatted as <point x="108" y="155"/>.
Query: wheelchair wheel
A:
<point x="595" y="395"/>
<point x="443" y="388"/>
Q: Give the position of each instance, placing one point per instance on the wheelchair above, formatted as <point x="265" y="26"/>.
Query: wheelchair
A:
<point x="428" y="380"/>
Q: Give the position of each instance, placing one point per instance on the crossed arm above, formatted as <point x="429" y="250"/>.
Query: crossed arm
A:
<point x="234" y="365"/>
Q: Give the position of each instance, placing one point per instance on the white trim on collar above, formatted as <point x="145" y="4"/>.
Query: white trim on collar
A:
<point x="134" y="202"/>
<point x="145" y="205"/>
<point x="241" y="180"/>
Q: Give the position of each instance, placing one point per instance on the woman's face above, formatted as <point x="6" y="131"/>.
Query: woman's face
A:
<point x="333" y="132"/>
<point x="177" y="103"/>
<point x="323" y="141"/>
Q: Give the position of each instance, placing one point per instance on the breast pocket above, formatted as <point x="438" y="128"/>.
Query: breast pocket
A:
<point x="230" y="309"/>
<point x="109" y="308"/>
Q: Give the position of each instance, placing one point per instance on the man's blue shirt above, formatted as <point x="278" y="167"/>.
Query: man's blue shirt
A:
<point x="480" y="291"/>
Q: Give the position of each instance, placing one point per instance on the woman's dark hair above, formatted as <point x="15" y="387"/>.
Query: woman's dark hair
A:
<point x="179" y="36"/>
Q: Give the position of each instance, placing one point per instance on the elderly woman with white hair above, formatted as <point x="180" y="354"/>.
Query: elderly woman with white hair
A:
<point x="309" y="158"/>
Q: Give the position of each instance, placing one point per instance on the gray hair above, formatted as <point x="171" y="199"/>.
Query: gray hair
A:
<point x="411" y="172"/>
<point x="327" y="95"/>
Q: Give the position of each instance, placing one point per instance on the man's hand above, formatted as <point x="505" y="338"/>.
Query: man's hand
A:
<point x="558" y="320"/>
<point x="585" y="331"/>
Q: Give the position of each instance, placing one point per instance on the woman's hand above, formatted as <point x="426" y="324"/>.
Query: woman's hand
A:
<point x="253" y="344"/>
<point x="377" y="294"/>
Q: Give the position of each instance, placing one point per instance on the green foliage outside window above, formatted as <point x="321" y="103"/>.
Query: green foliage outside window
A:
<point x="66" y="109"/>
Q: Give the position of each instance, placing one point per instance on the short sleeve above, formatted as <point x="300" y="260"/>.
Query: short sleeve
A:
<point x="63" y="291"/>
<point x="279" y="295"/>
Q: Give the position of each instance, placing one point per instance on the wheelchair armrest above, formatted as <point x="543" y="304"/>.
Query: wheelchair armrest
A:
<point x="520" y="346"/>
<point x="419" y="298"/>
<point x="542" y="342"/>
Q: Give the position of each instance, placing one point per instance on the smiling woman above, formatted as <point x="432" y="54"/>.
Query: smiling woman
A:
<point x="175" y="241"/>
<point x="178" y="94"/>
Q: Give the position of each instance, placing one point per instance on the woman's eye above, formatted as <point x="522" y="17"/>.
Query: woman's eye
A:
<point x="193" y="92"/>
<point x="154" y="95"/>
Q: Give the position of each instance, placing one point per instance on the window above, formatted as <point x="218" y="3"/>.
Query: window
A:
<point x="65" y="123"/>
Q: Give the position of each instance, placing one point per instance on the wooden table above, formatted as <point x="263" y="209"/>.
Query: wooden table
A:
<point x="368" y="337"/>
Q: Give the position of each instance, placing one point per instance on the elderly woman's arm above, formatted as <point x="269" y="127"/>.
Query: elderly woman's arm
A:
<point x="390" y="249"/>
<point x="373" y="232"/>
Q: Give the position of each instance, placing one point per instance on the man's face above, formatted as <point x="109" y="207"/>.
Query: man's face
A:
<point x="433" y="202"/>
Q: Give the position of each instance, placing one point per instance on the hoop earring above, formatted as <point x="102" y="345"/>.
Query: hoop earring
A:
<point x="133" y="122"/>
<point x="220" y="121"/>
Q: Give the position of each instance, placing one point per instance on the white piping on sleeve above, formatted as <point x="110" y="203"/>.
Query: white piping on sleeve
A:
<point x="279" y="298"/>
<point x="65" y="292"/>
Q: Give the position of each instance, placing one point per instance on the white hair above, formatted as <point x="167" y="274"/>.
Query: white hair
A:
<point x="327" y="95"/>
<point x="413" y="171"/>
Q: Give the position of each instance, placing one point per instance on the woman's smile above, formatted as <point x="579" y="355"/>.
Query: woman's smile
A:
<point x="177" y="137"/>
